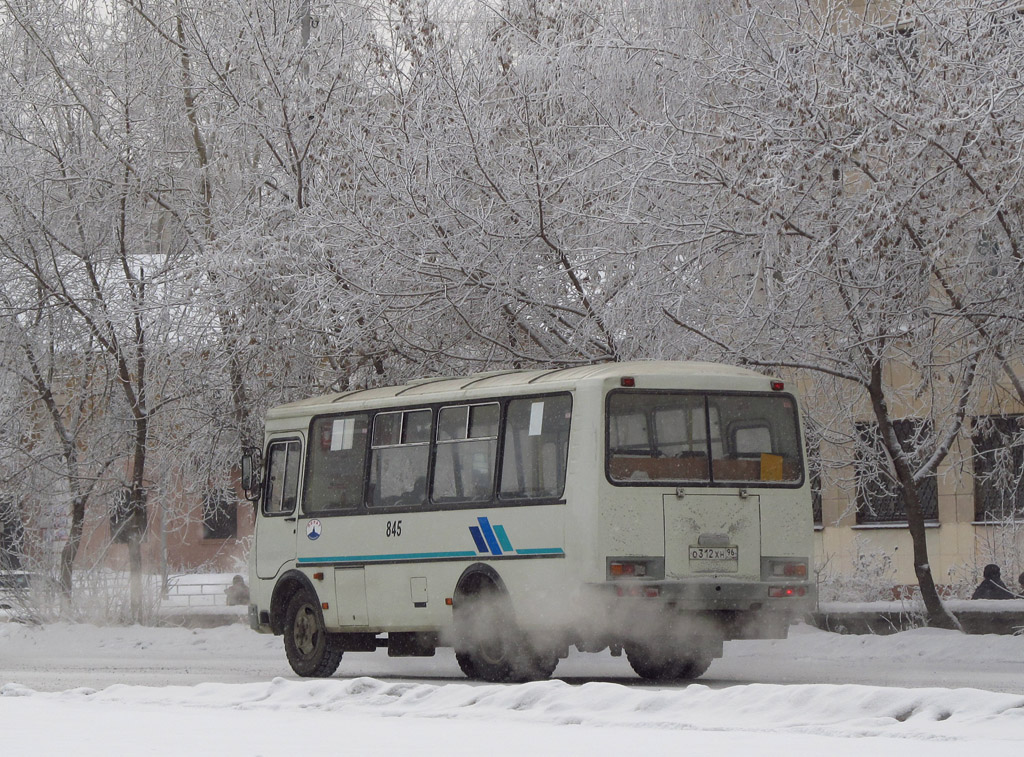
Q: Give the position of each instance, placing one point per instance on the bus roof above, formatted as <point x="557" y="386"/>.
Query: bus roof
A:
<point x="521" y="381"/>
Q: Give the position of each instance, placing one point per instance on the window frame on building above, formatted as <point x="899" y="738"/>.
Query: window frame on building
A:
<point x="878" y="491"/>
<point x="990" y="435"/>
<point x="220" y="516"/>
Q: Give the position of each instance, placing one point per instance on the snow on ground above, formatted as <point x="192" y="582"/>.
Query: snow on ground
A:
<point x="250" y="704"/>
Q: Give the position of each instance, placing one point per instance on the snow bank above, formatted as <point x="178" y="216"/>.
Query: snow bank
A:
<point x="836" y="711"/>
<point x="934" y="644"/>
<point x="442" y="714"/>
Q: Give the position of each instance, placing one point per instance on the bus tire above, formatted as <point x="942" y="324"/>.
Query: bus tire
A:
<point x="491" y="646"/>
<point x="659" y="665"/>
<point x="311" y="651"/>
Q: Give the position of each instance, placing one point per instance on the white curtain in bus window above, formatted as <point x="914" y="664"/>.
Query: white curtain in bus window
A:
<point x="760" y="439"/>
<point x="536" y="443"/>
<point x="467" y="443"/>
<point x="400" y="449"/>
<point x="282" y="477"/>
<point x="336" y="461"/>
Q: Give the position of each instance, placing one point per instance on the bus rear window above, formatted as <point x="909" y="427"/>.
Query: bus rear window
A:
<point x="693" y="437"/>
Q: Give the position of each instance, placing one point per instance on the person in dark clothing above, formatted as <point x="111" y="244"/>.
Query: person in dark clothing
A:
<point x="238" y="592"/>
<point x="1020" y="580"/>
<point x="992" y="586"/>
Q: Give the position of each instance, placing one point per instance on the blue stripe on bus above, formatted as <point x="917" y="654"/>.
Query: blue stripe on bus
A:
<point x="481" y="545"/>
<point x="541" y="551"/>
<point x="488" y="532"/>
<point x="503" y="539"/>
<point x="371" y="558"/>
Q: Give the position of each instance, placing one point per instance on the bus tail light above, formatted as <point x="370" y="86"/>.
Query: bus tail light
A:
<point x="638" y="590"/>
<point x="787" y="569"/>
<point x="618" y="567"/>
<point x="780" y="592"/>
<point x="624" y="569"/>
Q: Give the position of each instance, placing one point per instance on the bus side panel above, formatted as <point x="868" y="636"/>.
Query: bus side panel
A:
<point x="412" y="561"/>
<point x="632" y="524"/>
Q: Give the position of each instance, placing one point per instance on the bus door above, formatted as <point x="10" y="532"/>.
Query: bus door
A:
<point x="333" y="533"/>
<point x="712" y="534"/>
<point x="275" y="526"/>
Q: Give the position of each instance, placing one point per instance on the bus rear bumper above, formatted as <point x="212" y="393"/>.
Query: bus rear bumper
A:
<point x="734" y="610"/>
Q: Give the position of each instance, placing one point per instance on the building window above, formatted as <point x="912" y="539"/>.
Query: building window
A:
<point x="125" y="518"/>
<point x="12" y="534"/>
<point x="998" y="467"/>
<point x="815" y="476"/>
<point x="896" y="53"/>
<point x="814" y="465"/>
<point x="219" y="517"/>
<point x="879" y="493"/>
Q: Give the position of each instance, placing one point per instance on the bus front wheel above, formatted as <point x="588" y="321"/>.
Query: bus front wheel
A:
<point x="311" y="651"/>
<point x="654" y="664"/>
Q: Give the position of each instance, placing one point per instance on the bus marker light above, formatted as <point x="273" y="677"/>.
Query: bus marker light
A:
<point x="638" y="591"/>
<point x="325" y="606"/>
<point x="779" y="592"/>
<point x="318" y="576"/>
<point x="628" y="381"/>
<point x="448" y="601"/>
<point x="778" y="386"/>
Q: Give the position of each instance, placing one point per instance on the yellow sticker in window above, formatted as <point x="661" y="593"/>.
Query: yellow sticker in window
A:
<point x="771" y="467"/>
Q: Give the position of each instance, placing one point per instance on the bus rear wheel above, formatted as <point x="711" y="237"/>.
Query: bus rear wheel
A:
<point x="654" y="664"/>
<point x="491" y="646"/>
<point x="311" y="651"/>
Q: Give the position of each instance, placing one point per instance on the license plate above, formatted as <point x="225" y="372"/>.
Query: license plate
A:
<point x="714" y="553"/>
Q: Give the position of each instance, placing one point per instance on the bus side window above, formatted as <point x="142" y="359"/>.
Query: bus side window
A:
<point x="467" y="443"/>
<point x="536" y="447"/>
<point x="400" y="450"/>
<point x="337" y="453"/>
<point x="282" y="477"/>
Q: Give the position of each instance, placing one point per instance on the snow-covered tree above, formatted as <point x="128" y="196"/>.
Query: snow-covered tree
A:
<point x="861" y="177"/>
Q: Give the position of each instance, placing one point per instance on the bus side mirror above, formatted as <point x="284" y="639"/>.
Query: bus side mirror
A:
<point x="251" y="460"/>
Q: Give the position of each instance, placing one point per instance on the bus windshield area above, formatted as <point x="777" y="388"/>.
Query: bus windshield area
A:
<point x="697" y="437"/>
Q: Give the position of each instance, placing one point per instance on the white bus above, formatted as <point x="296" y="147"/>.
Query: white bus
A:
<point x="656" y="508"/>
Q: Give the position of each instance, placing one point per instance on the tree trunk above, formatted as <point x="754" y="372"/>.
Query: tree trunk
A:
<point x="937" y="614"/>
<point x="70" y="551"/>
<point x="135" y="571"/>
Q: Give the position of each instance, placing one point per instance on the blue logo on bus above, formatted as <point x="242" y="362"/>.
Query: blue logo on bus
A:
<point x="490" y="539"/>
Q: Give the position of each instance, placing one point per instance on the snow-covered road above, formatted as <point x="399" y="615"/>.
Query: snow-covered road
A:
<point x="60" y="656"/>
<point x="229" y="691"/>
